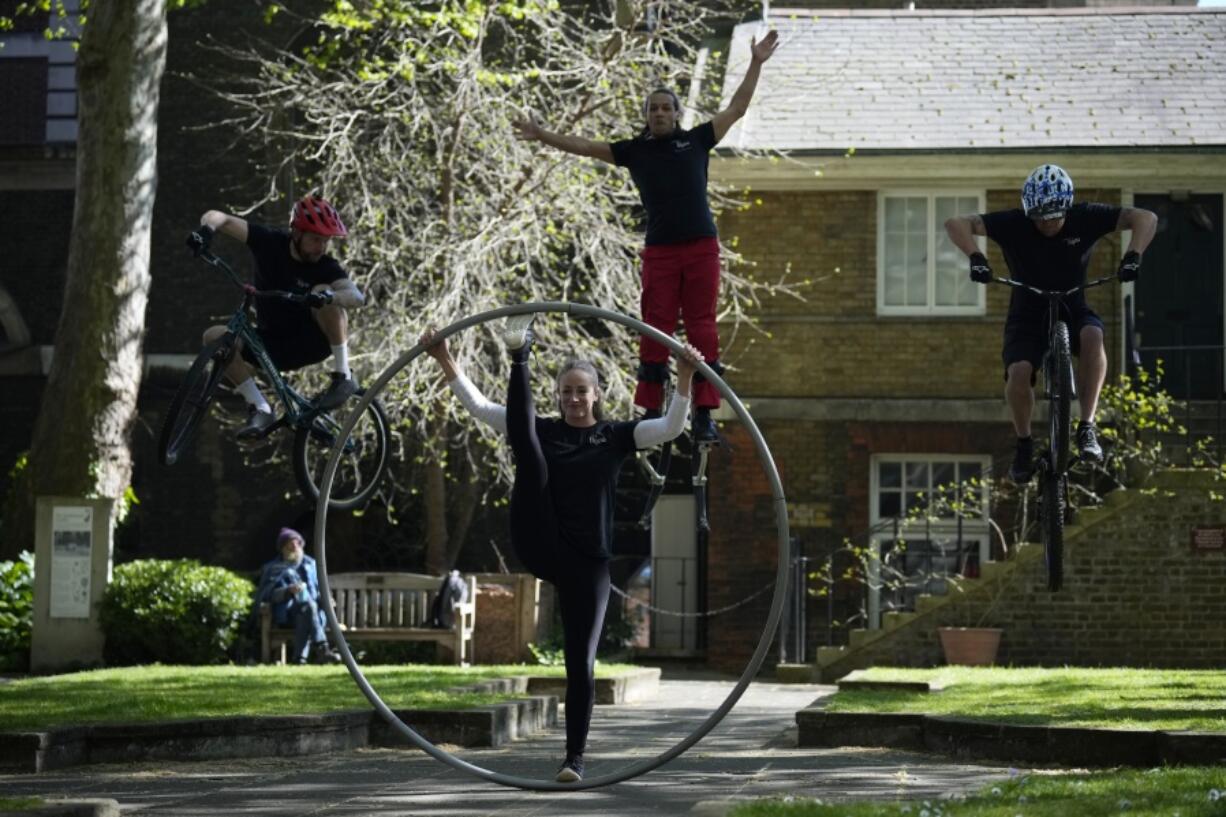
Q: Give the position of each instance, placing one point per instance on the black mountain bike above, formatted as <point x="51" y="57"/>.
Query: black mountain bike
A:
<point x="365" y="458"/>
<point x="1060" y="389"/>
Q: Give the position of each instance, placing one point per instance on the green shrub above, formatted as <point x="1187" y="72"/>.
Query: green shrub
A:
<point x="16" y="611"/>
<point x="173" y="612"/>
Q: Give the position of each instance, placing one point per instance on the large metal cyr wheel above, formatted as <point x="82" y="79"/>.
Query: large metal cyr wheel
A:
<point x="768" y="630"/>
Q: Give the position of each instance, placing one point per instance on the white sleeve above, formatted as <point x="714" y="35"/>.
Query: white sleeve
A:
<point x="490" y="413"/>
<point x="662" y="429"/>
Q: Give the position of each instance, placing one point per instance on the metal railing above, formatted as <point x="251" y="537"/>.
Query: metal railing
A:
<point x="1193" y="375"/>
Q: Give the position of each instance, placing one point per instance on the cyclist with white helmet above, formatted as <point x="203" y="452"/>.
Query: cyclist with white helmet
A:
<point x="293" y="260"/>
<point x="1047" y="244"/>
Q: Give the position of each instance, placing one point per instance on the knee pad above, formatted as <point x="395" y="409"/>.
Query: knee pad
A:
<point x="715" y="365"/>
<point x="653" y="372"/>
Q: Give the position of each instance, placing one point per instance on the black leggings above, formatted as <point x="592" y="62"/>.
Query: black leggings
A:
<point x="581" y="582"/>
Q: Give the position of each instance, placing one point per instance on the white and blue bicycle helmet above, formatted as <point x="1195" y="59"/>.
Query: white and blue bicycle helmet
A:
<point x="1047" y="193"/>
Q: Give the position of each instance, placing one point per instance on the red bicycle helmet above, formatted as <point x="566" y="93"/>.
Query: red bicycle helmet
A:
<point x="314" y="215"/>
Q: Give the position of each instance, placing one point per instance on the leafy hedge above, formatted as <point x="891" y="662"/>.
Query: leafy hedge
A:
<point x="173" y="612"/>
<point x="16" y="611"/>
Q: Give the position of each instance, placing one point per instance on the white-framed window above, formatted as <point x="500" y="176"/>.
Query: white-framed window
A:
<point x="919" y="270"/>
<point x="930" y="514"/>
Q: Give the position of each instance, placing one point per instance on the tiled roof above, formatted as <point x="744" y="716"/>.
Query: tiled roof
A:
<point x="941" y="80"/>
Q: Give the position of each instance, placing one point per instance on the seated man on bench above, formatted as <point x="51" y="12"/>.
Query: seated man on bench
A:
<point x="289" y="584"/>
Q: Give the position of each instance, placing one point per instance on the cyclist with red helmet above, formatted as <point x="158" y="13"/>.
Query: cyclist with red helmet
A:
<point x="295" y="336"/>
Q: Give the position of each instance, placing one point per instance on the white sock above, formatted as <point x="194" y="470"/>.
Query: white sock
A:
<point x="340" y="359"/>
<point x="251" y="393"/>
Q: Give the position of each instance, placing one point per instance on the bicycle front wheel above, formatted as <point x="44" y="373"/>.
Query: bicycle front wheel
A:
<point x="364" y="460"/>
<point x="1060" y="388"/>
<point x="191" y="402"/>
<point x="1051" y="521"/>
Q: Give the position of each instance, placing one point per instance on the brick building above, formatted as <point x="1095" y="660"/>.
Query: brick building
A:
<point x="886" y="380"/>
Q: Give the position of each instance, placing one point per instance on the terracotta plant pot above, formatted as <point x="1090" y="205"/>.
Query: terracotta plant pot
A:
<point x="970" y="646"/>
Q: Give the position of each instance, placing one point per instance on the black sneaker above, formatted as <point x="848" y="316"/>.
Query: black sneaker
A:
<point x="571" y="770"/>
<point x="517" y="335"/>
<point x="1022" y="469"/>
<point x="257" y="425"/>
<point x="340" y="390"/>
<point x="1087" y="443"/>
<point x="702" y="427"/>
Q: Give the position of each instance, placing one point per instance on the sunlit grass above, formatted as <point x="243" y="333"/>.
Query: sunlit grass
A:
<point x="20" y="803"/>
<point x="1181" y="792"/>
<point x="158" y="693"/>
<point x="1120" y="698"/>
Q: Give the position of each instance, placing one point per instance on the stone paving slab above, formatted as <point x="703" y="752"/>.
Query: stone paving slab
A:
<point x="752" y="754"/>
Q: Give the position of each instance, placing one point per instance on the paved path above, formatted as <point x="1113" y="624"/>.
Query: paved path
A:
<point x="751" y="754"/>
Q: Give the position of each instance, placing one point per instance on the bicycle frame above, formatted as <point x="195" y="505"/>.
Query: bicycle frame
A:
<point x="298" y="409"/>
<point x="1055" y="298"/>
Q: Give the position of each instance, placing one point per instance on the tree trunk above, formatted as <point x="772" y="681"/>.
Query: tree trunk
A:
<point x="81" y="439"/>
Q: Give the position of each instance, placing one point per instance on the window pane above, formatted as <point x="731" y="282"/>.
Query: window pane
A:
<point x="889" y="474"/>
<point x="917" y="215"/>
<point x="895" y="274"/>
<point x="917" y="269"/>
<point x="944" y="473"/>
<point x="916" y="502"/>
<point x="889" y="504"/>
<point x="917" y="475"/>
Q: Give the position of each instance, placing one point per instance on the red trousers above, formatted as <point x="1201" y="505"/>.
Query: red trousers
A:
<point x="680" y="279"/>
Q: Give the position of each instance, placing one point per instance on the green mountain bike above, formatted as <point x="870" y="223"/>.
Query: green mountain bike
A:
<point x="364" y="460"/>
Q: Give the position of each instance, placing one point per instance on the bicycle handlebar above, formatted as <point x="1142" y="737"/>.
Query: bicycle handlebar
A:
<point x="265" y="294"/>
<point x="1048" y="293"/>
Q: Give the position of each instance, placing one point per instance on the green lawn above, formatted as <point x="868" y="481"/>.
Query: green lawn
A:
<point x="1182" y="792"/>
<point x="157" y="693"/>
<point x="20" y="803"/>
<point x="1114" y="698"/>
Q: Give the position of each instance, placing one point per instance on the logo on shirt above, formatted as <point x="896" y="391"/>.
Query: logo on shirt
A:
<point x="680" y="145"/>
<point x="1074" y="241"/>
<point x="301" y="284"/>
<point x="597" y="439"/>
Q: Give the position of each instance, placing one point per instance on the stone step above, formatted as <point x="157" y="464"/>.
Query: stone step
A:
<point x="859" y="638"/>
<point x="925" y="602"/>
<point x="828" y="655"/>
<point x="895" y="619"/>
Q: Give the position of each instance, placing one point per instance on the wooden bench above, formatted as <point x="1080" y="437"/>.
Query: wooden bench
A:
<point x="385" y="607"/>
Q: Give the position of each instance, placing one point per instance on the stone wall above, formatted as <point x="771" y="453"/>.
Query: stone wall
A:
<point x="1135" y="592"/>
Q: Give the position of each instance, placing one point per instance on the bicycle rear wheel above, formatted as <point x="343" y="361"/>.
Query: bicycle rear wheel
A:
<point x="1051" y="522"/>
<point x="191" y="402"/>
<point x="1060" y="388"/>
<point x="363" y="463"/>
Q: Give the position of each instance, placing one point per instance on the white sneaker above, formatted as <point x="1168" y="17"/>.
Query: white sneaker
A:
<point x="517" y="332"/>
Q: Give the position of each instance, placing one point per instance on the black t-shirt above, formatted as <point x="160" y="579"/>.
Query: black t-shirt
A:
<point x="583" y="466"/>
<point x="275" y="268"/>
<point x="671" y="175"/>
<point x="1058" y="262"/>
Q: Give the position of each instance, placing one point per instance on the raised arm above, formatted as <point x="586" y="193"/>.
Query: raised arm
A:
<point x="662" y="429"/>
<point x="485" y="410"/>
<point x="529" y="130"/>
<point x="220" y="222"/>
<point x="759" y="52"/>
